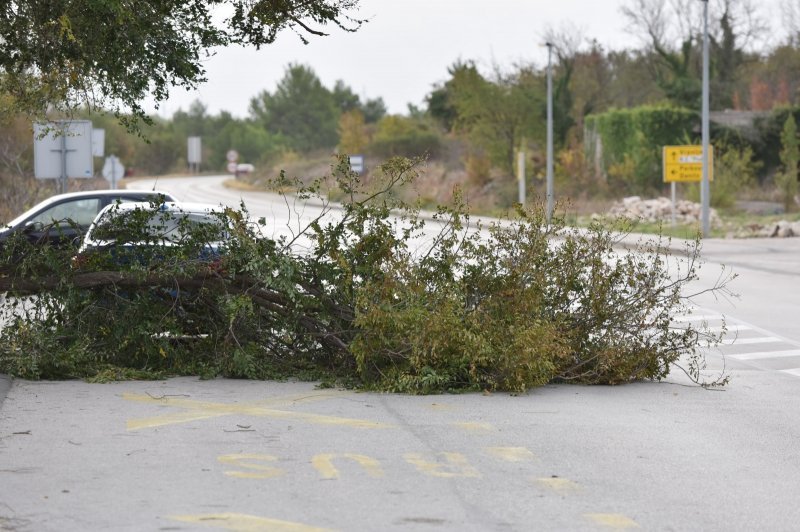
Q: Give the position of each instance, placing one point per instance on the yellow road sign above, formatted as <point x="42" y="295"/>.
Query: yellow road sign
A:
<point x="685" y="164"/>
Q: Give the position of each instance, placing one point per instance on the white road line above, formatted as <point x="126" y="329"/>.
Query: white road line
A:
<point x="727" y="328"/>
<point x="745" y="341"/>
<point x="795" y="371"/>
<point x="767" y="354"/>
<point x="698" y="317"/>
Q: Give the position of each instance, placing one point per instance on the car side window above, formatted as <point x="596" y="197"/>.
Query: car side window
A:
<point x="81" y="211"/>
<point x="125" y="199"/>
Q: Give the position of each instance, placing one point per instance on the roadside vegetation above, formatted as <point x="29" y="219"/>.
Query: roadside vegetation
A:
<point x="354" y="299"/>
<point x="364" y="298"/>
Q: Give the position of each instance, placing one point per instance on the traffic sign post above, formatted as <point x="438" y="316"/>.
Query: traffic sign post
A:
<point x="113" y="170"/>
<point x="62" y="150"/>
<point x="357" y="163"/>
<point x="194" y="153"/>
<point x="684" y="164"/>
<point x="98" y="142"/>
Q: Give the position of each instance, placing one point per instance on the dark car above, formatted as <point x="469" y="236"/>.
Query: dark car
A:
<point x="65" y="218"/>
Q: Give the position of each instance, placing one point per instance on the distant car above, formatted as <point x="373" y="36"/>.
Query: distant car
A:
<point x="127" y="233"/>
<point x="63" y="218"/>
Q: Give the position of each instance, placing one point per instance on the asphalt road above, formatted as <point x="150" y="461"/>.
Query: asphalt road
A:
<point x="186" y="454"/>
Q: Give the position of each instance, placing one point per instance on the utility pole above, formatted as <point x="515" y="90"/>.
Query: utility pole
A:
<point x="705" y="189"/>
<point x="549" y="131"/>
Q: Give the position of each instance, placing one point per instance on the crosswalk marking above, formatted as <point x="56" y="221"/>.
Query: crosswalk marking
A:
<point x="784" y="349"/>
<point x="697" y="317"/>
<point x="767" y="354"/>
<point x="728" y="328"/>
<point x="746" y="341"/>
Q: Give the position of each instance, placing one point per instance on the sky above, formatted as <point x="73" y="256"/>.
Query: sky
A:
<point x="406" y="47"/>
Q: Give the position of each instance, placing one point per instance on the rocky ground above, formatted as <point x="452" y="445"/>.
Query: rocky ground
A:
<point x="687" y="212"/>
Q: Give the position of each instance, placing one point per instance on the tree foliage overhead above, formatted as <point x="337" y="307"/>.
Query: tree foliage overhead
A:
<point x="63" y="54"/>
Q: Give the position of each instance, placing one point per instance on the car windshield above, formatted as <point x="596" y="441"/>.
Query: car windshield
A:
<point x="140" y="225"/>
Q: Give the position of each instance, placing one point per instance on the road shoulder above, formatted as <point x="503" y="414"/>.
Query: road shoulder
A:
<point x="5" y="385"/>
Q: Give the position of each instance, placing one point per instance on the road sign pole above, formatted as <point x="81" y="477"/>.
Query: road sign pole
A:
<point x="549" y="131"/>
<point x="674" y="206"/>
<point x="521" y="176"/>
<point x="63" y="179"/>
<point x="705" y="189"/>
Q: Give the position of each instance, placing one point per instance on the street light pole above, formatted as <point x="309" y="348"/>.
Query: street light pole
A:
<point x="549" y="131"/>
<point x="705" y="189"/>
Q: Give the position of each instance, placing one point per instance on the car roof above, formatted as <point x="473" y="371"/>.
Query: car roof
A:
<point x="169" y="206"/>
<point x="84" y="194"/>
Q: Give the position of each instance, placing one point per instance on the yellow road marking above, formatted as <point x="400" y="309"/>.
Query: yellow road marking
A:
<point x="323" y="463"/>
<point x="456" y="466"/>
<point x="251" y="461"/>
<point x="559" y="485"/>
<point x="475" y="426"/>
<point x="511" y="454"/>
<point x="616" y="521"/>
<point x="246" y="523"/>
<point x="200" y="410"/>
<point x="440" y="406"/>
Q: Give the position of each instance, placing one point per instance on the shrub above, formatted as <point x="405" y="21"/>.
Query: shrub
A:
<point x="734" y="171"/>
<point x="357" y="299"/>
<point x="637" y="136"/>
<point x="399" y="136"/>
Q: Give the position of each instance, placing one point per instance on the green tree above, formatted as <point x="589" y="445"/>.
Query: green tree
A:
<point x="65" y="54"/>
<point x="631" y="83"/>
<point x="790" y="159"/>
<point x="346" y="100"/>
<point x="498" y="114"/>
<point x="353" y="136"/>
<point x="403" y="136"/>
<point x="673" y="33"/>
<point x="251" y="141"/>
<point x="373" y="110"/>
<point x="734" y="171"/>
<point x="301" y="109"/>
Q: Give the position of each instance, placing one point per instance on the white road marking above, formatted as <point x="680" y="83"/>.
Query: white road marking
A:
<point x="745" y="341"/>
<point x="727" y="328"/>
<point x="698" y="317"/>
<point x="795" y="371"/>
<point x="767" y="354"/>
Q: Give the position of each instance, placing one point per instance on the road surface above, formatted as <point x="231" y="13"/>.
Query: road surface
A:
<point x="186" y="454"/>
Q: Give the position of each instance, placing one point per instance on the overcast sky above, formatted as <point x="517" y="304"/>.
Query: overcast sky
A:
<point x="406" y="48"/>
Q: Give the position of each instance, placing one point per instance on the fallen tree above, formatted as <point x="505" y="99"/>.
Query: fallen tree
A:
<point x="360" y="299"/>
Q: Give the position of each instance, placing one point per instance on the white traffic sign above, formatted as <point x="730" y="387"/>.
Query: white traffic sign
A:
<point x="113" y="170"/>
<point x="232" y="167"/>
<point x="357" y="164"/>
<point x="232" y="156"/>
<point x="98" y="142"/>
<point x="63" y="147"/>
<point x="194" y="149"/>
